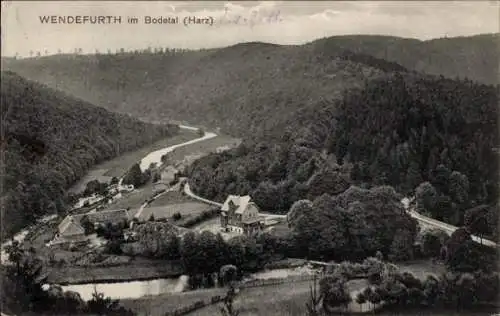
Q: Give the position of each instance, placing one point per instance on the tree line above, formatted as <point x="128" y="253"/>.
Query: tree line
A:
<point x="23" y="293"/>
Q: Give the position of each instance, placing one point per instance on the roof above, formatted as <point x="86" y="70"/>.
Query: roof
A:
<point x="100" y="216"/>
<point x="66" y="222"/>
<point x="240" y="201"/>
<point x="251" y="220"/>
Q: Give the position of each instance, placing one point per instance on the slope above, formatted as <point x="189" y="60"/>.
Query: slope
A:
<point x="50" y="139"/>
<point x="252" y="88"/>
<point x="473" y="57"/>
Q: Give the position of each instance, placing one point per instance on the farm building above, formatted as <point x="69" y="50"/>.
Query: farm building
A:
<point x="71" y="228"/>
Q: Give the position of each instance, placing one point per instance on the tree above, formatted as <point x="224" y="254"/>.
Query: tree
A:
<point x="87" y="225"/>
<point x="334" y="293"/>
<point x="477" y="220"/>
<point x="228" y="308"/>
<point x="466" y="258"/>
<point x="425" y="196"/>
<point x="21" y="285"/>
<point x="101" y="305"/>
<point x="177" y="216"/>
<point x="312" y="305"/>
<point x="228" y="274"/>
<point x="134" y="176"/>
<point x="402" y="246"/>
<point x="114" y="180"/>
<point x="432" y="242"/>
<point x="459" y="187"/>
<point x="298" y="209"/>
<point x="361" y="298"/>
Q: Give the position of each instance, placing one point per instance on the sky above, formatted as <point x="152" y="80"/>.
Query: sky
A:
<point x="280" y="22"/>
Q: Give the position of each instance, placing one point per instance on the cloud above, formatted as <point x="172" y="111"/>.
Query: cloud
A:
<point x="280" y="22"/>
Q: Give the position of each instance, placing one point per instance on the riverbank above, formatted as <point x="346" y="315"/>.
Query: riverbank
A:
<point x="135" y="270"/>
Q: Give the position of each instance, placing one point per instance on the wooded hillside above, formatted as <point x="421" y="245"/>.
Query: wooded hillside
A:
<point x="253" y="88"/>
<point x="50" y="140"/>
<point x="405" y="131"/>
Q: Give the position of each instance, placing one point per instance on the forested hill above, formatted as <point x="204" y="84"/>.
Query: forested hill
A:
<point x="429" y="136"/>
<point x="252" y="88"/>
<point x="473" y="57"/>
<point x="50" y="140"/>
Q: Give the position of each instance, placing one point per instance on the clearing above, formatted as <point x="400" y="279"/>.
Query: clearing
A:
<point x="167" y="211"/>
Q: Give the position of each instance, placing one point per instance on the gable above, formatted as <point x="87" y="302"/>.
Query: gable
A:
<point x="231" y="198"/>
<point x="72" y="228"/>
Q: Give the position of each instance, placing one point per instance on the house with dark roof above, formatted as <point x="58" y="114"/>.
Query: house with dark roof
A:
<point x="240" y="214"/>
<point x="71" y="228"/>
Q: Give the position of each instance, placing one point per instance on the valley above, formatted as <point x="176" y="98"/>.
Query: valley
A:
<point x="364" y="166"/>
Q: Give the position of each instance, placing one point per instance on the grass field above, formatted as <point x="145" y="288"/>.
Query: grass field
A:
<point x="172" y="197"/>
<point x="133" y="199"/>
<point x="204" y="147"/>
<point x="283" y="299"/>
<point x="158" y="305"/>
<point x="118" y="166"/>
<point x="167" y="211"/>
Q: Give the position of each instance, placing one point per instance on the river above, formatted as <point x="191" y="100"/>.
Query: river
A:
<point x="133" y="289"/>
<point x="155" y="156"/>
<point x="136" y="289"/>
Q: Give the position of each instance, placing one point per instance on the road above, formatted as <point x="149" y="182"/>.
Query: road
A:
<point x="190" y="193"/>
<point x="423" y="220"/>
<point x="449" y="229"/>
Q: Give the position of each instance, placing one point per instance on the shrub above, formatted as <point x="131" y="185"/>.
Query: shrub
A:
<point x="177" y="216"/>
<point x="203" y="216"/>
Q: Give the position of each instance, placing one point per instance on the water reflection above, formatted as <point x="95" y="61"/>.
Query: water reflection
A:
<point x="133" y="289"/>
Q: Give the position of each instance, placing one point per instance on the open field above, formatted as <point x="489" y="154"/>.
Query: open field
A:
<point x="281" y="229"/>
<point x="133" y="199"/>
<point x="118" y="166"/>
<point x="171" y="197"/>
<point x="158" y="305"/>
<point x="282" y="299"/>
<point x="204" y="147"/>
<point x="167" y="211"/>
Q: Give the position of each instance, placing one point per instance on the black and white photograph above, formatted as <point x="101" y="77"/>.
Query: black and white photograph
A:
<point x="250" y="158"/>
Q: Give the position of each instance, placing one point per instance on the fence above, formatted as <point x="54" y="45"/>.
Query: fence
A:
<point x="277" y="281"/>
<point x="195" y="306"/>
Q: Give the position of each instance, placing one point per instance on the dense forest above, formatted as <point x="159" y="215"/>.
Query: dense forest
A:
<point x="474" y="57"/>
<point x="49" y="140"/>
<point x="410" y="131"/>
<point x="253" y="88"/>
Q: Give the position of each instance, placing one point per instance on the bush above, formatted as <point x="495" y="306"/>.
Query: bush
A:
<point x="177" y="216"/>
<point x="203" y="216"/>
